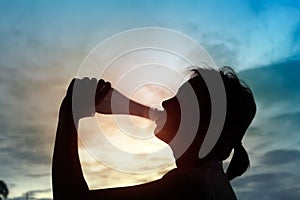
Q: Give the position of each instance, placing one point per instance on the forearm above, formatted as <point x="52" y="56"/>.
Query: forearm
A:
<point x="67" y="177"/>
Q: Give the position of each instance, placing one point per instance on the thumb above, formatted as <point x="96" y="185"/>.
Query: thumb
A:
<point x="70" y="88"/>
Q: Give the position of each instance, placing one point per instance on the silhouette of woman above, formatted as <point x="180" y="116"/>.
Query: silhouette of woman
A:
<point x="194" y="178"/>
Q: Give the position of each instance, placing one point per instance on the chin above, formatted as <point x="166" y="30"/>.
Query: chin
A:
<point x="165" y="135"/>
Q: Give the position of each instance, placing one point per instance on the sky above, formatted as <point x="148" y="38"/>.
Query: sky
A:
<point x="43" y="43"/>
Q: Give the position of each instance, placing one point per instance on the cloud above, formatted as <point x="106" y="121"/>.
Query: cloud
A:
<point x="98" y="175"/>
<point x="18" y="198"/>
<point x="43" y="194"/>
<point x="275" y="186"/>
<point x="277" y="92"/>
<point x="281" y="157"/>
<point x="260" y="33"/>
<point x="37" y="175"/>
<point x="275" y="83"/>
<point x="296" y="36"/>
<point x="291" y="118"/>
<point x="279" y="130"/>
<point x="35" y="69"/>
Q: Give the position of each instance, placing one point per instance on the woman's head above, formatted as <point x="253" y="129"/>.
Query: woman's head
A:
<point x="240" y="111"/>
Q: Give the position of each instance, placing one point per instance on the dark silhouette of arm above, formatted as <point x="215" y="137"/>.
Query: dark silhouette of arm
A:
<point x="67" y="177"/>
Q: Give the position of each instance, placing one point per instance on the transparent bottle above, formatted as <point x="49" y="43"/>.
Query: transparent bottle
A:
<point x="116" y="103"/>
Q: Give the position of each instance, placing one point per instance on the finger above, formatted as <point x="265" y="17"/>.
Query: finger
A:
<point x="94" y="80"/>
<point x="87" y="83"/>
<point x="106" y="88"/>
<point x="94" y="84"/>
<point x="100" y="84"/>
<point x="102" y="92"/>
<point x="71" y="86"/>
<point x="85" y="79"/>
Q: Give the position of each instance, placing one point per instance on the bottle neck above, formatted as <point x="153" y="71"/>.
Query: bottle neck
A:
<point x="117" y="103"/>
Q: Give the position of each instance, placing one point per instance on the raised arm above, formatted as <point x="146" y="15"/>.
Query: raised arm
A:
<point x="67" y="178"/>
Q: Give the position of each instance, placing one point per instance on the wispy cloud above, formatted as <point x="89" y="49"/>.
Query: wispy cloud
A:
<point x="275" y="186"/>
<point x="43" y="194"/>
<point x="281" y="157"/>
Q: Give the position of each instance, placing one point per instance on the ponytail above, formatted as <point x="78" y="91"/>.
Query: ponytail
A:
<point x="239" y="162"/>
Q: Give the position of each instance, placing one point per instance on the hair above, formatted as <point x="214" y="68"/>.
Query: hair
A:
<point x="240" y="111"/>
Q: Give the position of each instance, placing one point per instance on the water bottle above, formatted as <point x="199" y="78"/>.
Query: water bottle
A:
<point x="116" y="103"/>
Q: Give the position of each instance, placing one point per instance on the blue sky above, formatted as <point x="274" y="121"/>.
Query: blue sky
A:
<point x="43" y="43"/>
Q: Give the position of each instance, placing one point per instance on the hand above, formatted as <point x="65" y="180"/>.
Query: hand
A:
<point x="103" y="97"/>
<point x="83" y="95"/>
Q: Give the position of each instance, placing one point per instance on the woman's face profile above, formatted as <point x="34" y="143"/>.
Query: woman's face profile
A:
<point x="167" y="129"/>
<point x="184" y="103"/>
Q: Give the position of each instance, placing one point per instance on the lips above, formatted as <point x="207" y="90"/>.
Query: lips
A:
<point x="159" y="117"/>
<point x="167" y="126"/>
